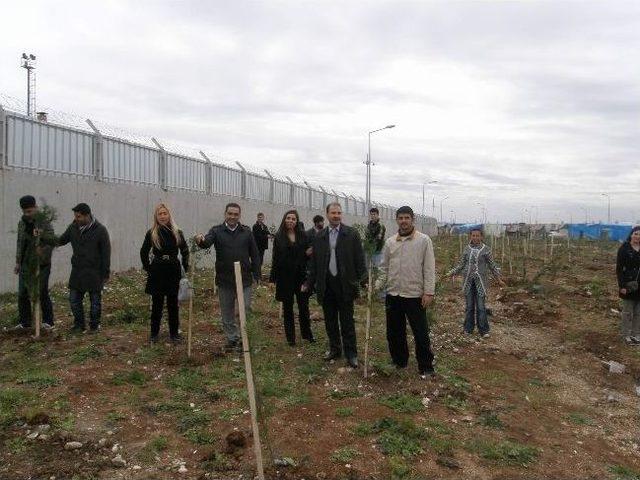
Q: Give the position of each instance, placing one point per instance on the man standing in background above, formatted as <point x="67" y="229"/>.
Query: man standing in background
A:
<point x="376" y="233"/>
<point x="261" y="235"/>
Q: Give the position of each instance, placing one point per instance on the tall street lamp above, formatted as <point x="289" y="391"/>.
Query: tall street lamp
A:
<point x="426" y="182"/>
<point x="368" y="163"/>
<point x="442" y="200"/>
<point x="608" y="206"/>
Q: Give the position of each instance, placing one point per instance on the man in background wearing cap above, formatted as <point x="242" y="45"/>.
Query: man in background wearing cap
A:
<point x="26" y="252"/>
<point x="90" y="265"/>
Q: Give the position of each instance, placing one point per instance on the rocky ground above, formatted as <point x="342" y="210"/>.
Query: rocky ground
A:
<point x="552" y="394"/>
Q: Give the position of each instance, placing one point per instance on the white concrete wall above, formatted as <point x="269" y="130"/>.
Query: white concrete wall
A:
<point x="125" y="210"/>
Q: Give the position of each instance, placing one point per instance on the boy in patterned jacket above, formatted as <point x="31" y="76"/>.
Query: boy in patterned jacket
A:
<point x="475" y="264"/>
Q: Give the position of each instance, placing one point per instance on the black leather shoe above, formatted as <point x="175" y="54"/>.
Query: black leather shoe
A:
<point x="352" y="362"/>
<point x="331" y="356"/>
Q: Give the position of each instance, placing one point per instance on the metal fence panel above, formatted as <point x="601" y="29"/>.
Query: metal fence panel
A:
<point x="300" y="196"/>
<point x="281" y="192"/>
<point x="227" y="181"/>
<point x="186" y="173"/>
<point x="128" y="162"/>
<point x="317" y="199"/>
<point x="39" y="146"/>
<point x="258" y="187"/>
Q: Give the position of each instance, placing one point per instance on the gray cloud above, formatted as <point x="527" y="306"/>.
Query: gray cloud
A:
<point x="506" y="104"/>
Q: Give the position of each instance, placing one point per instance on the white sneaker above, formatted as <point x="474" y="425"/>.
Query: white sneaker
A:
<point x="629" y="340"/>
<point x="486" y="335"/>
<point x="634" y="340"/>
<point x="48" y="327"/>
<point x="18" y="327"/>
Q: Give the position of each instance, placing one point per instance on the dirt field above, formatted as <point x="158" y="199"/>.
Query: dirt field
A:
<point x="534" y="401"/>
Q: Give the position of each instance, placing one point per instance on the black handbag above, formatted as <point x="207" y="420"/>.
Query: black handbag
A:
<point x="632" y="286"/>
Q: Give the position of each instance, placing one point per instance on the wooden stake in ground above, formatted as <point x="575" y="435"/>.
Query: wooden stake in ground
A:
<point x="460" y="242"/>
<point x="503" y="235"/>
<point x="551" y="250"/>
<point x="257" y="447"/>
<point x="367" y="327"/>
<point x="190" y="322"/>
<point x="35" y="295"/>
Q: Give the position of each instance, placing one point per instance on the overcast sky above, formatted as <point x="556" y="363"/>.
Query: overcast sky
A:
<point x="527" y="105"/>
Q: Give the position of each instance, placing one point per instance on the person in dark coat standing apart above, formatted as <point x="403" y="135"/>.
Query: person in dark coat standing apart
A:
<point x="337" y="268"/>
<point x="408" y="270"/>
<point x="90" y="265"/>
<point x="26" y="253"/>
<point x="288" y="272"/>
<point x="261" y="234"/>
<point x="233" y="242"/>
<point x="628" y="275"/>
<point x="164" y="240"/>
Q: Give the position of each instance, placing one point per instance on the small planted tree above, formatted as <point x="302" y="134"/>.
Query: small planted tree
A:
<point x="45" y="216"/>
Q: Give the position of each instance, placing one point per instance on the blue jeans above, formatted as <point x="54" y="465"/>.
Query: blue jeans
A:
<point x="76" y="299"/>
<point x="476" y="310"/>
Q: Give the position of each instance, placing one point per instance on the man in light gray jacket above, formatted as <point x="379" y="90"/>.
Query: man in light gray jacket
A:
<point x="408" y="274"/>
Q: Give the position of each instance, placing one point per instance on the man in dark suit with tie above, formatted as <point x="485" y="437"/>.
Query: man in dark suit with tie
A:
<point x="336" y="269"/>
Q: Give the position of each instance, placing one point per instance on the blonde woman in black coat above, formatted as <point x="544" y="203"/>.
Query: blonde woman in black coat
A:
<point x="164" y="241"/>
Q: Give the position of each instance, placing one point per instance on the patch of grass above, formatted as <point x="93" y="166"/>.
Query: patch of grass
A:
<point x="398" y="468"/>
<point x="113" y="417"/>
<point x="297" y="397"/>
<point x="623" y="473"/>
<point x="434" y="426"/>
<point x="166" y="407"/>
<point x="442" y="445"/>
<point x="134" y="377"/>
<point x="312" y="371"/>
<point x="192" y="419"/>
<point x="236" y="394"/>
<point x="578" y="418"/>
<point x="10" y="400"/>
<point x="200" y="436"/>
<point x="342" y="394"/>
<point x="505" y="452"/>
<point x="344" y="455"/>
<point x="402" y="403"/>
<point x="490" y="419"/>
<point x="494" y="377"/>
<point x="83" y="354"/>
<point x="37" y="377"/>
<point x="229" y="414"/>
<point x="363" y="429"/>
<point x="217" y="462"/>
<point x="344" y="411"/>
<point x="150" y="353"/>
<point x="454" y="403"/>
<point x="384" y="369"/>
<point x="16" y="445"/>
<point x="66" y="423"/>
<point x="188" y="380"/>
<point x="399" y="438"/>
<point x="158" y="444"/>
<point x="129" y="315"/>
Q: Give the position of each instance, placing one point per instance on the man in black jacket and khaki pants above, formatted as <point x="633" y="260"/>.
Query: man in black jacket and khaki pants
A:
<point x="336" y="269"/>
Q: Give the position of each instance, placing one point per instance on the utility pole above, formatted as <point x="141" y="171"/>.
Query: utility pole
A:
<point x="29" y="64"/>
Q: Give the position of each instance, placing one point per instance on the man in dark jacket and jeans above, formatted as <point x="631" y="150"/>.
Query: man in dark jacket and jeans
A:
<point x="261" y="235"/>
<point x="26" y="251"/>
<point x="233" y="242"/>
<point x="90" y="265"/>
<point x="376" y="233"/>
<point x="336" y="269"/>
